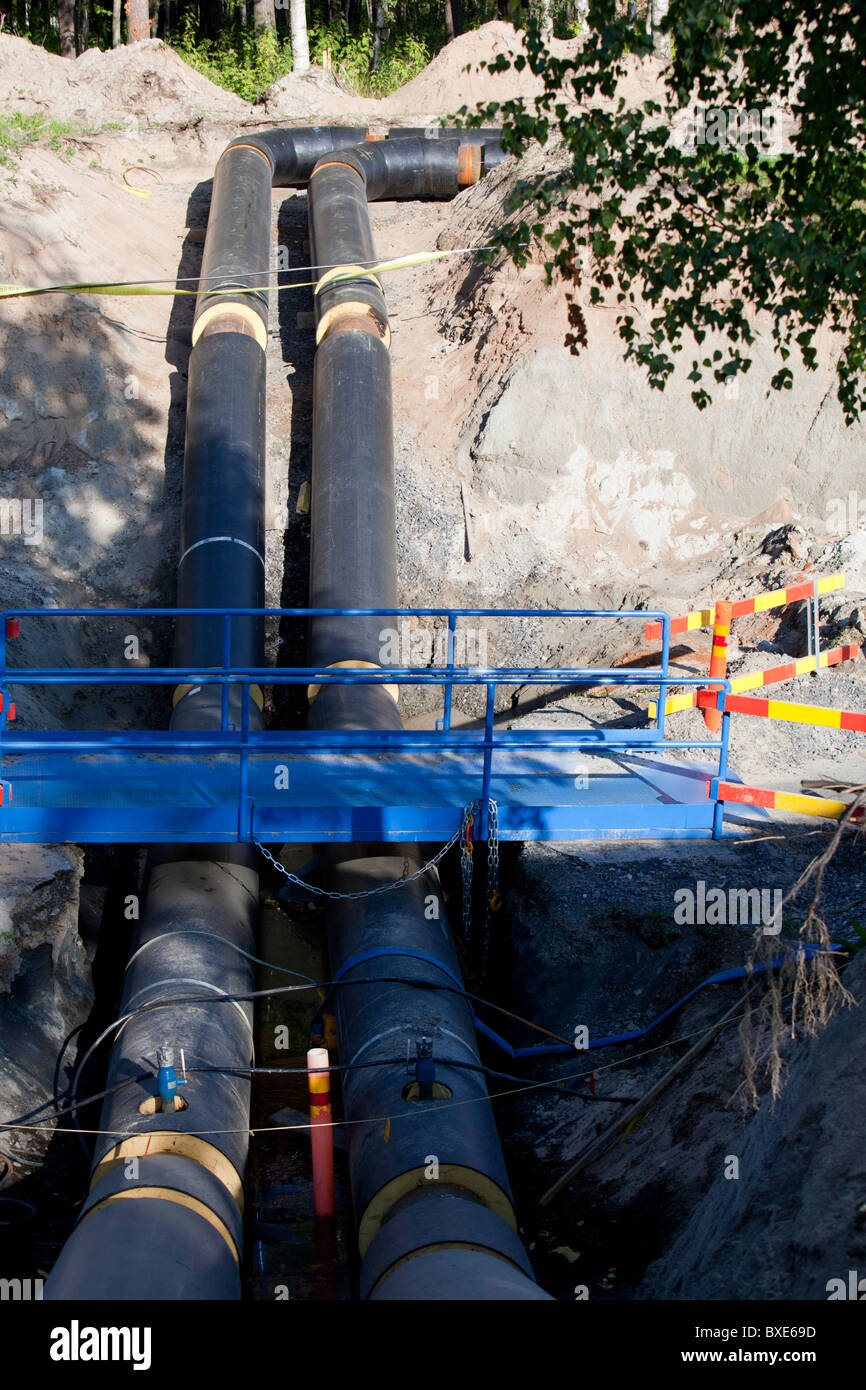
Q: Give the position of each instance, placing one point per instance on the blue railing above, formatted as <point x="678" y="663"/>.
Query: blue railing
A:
<point x="213" y="785"/>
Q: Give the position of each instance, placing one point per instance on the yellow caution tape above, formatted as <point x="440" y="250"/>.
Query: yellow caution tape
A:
<point x="125" y="287"/>
<point x="121" y="287"/>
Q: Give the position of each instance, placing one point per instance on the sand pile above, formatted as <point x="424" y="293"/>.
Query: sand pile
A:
<point x="444" y="85"/>
<point x="146" y="83"/>
<point x="320" y="95"/>
<point x="151" y="84"/>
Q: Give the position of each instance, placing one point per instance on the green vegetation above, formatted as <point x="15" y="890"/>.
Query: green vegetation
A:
<point x="401" y="58"/>
<point x="696" y="241"/>
<point x="17" y="131"/>
<point x="245" y="62"/>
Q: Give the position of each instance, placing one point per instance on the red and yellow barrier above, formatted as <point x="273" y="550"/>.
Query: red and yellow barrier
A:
<point x="688" y="699"/>
<point x="785" y="801"/>
<point x="782" y="709"/>
<point x="776" y="598"/>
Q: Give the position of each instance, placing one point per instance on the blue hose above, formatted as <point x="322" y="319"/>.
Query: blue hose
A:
<point x="563" y="1050"/>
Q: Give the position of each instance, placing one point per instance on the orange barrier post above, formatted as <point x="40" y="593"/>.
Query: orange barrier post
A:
<point x="321" y="1131"/>
<point x="719" y="658"/>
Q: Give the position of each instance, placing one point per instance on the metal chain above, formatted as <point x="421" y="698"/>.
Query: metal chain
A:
<point x="459" y="834"/>
<point x="494" y="901"/>
<point x="466" y="873"/>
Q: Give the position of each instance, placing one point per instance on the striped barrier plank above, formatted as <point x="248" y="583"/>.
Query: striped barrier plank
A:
<point x="755" y="679"/>
<point x="784" y="801"/>
<point x="783" y="709"/>
<point x="776" y="598"/>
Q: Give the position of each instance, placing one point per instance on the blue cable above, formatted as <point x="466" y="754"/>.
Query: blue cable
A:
<point x="563" y="1049"/>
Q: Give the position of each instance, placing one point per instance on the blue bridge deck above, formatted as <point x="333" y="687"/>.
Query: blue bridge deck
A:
<point x="241" y="784"/>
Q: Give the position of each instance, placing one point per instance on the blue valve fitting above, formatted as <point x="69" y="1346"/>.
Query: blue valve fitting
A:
<point x="167" y="1079"/>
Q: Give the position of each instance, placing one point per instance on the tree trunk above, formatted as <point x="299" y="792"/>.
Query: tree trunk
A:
<point x="544" y="16"/>
<point x="66" y="26"/>
<point x="115" y="24"/>
<point x="264" y="14"/>
<point x="137" y="20"/>
<point x="82" y="25"/>
<point x="656" y="11"/>
<point x="380" y="34"/>
<point x="211" y="18"/>
<point x="453" y="19"/>
<point x="300" y="43"/>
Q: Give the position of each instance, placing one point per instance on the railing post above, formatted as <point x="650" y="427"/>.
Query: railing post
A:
<point x="227" y="657"/>
<point x="813" y="618"/>
<point x="488" y="761"/>
<point x="663" y="684"/>
<point x="244" y="829"/>
<point x="719" y="808"/>
<point x="446" y="716"/>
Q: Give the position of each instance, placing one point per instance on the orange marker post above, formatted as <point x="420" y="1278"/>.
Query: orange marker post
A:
<point x="719" y="658"/>
<point x="321" y="1131"/>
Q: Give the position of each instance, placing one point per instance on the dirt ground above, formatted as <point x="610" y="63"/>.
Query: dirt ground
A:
<point x="525" y="475"/>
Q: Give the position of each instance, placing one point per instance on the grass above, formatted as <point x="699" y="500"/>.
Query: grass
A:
<point x="19" y="130"/>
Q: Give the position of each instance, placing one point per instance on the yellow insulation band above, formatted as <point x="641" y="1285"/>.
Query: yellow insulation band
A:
<point x="393" y="690"/>
<point x="347" y="273"/>
<point x="181" y="690"/>
<point x="350" y="307"/>
<point x="454" y="1174"/>
<point x="243" y="311"/>
<point x="181" y="1146"/>
<point x="181" y="1199"/>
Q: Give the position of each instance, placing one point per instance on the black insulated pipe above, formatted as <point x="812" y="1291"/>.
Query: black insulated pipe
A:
<point x="293" y="153"/>
<point x="432" y="1201"/>
<point x="411" y="168"/>
<point x="353" y="529"/>
<point x="181" y="1236"/>
<point x="236" y="263"/>
<point x="340" y="236"/>
<point x="164" y="1214"/>
<point x="222" y="544"/>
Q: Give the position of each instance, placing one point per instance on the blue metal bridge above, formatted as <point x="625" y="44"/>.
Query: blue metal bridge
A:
<point x="238" y="783"/>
